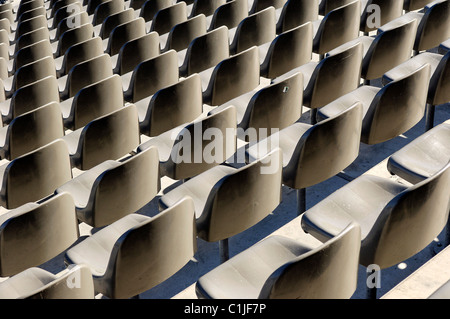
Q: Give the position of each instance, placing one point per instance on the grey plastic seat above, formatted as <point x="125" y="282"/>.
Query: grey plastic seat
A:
<point x="29" y="25"/>
<point x="92" y="101"/>
<point x="105" y="9"/>
<point x="332" y="77"/>
<point x="254" y="30"/>
<point x="326" y="6"/>
<point x="205" y="7"/>
<point x="31" y="53"/>
<point x="136" y="51"/>
<point x="31" y="37"/>
<point x="112" y="21"/>
<point x="28" y="5"/>
<point x="37" y="283"/>
<point x="392" y="46"/>
<point x="123" y="33"/>
<point x="93" y="4"/>
<point x="187" y="150"/>
<point x="270" y="108"/>
<point x="204" y="52"/>
<point x="165" y="19"/>
<point x="73" y="36"/>
<point x="279" y="267"/>
<point x="422" y="157"/>
<point x="287" y="51"/>
<point x="232" y="77"/>
<point x="28" y="233"/>
<point x="150" y="7"/>
<point x="50" y="167"/>
<point x="314" y="153"/>
<point x="388" y="11"/>
<point x="84" y="74"/>
<point x="439" y="83"/>
<point x="30" y="14"/>
<point x="138" y="252"/>
<point x="229" y="200"/>
<point x="68" y="23"/>
<point x="182" y="34"/>
<point x="258" y="5"/>
<point x="30" y="97"/>
<point x="337" y="27"/>
<point x="30" y="131"/>
<point x="64" y="11"/>
<point x="388" y="111"/>
<point x="114" y="189"/>
<point x="391" y="216"/>
<point x="171" y="106"/>
<point x="150" y="76"/>
<point x="109" y="137"/>
<point x="295" y="13"/>
<point x="229" y="14"/>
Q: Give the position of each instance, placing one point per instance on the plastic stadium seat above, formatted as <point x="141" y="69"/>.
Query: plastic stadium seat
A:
<point x="273" y="107"/>
<point x="314" y="153"/>
<point x="113" y="20"/>
<point x="114" y="189"/>
<point x="295" y="13"/>
<point x="64" y="12"/>
<point x="337" y="27"/>
<point x="109" y="137"/>
<point x="332" y="77"/>
<point x="204" y="52"/>
<point x="287" y="51"/>
<point x="439" y="84"/>
<point x="171" y="106"/>
<point x="34" y="233"/>
<point x="31" y="37"/>
<point x="392" y="46"/>
<point x="84" y="74"/>
<point x="31" y="53"/>
<point x="92" y="101"/>
<point x="150" y="76"/>
<point x="229" y="14"/>
<point x="123" y="33"/>
<point x="412" y="5"/>
<point x="232" y="77"/>
<point x="205" y="7"/>
<point x="187" y="150"/>
<point x="73" y="36"/>
<point x="77" y="18"/>
<point x="31" y="130"/>
<point x="50" y="167"/>
<point x="37" y="283"/>
<point x="138" y="252"/>
<point x="228" y="200"/>
<point x="388" y="111"/>
<point x="28" y="5"/>
<point x="181" y="35"/>
<point x="258" y="5"/>
<point x="29" y="25"/>
<point x="326" y="6"/>
<point x="422" y="157"/>
<point x="282" y="268"/>
<point x="136" y="51"/>
<point x="150" y="7"/>
<point x="254" y="30"/>
<point x="388" y="11"/>
<point x="396" y="221"/>
<point x="165" y="19"/>
<point x="105" y="9"/>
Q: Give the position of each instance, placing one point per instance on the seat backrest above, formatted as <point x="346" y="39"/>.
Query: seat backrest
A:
<point x="336" y="278"/>
<point x="256" y="29"/>
<point x="229" y="14"/>
<point x="33" y="72"/>
<point x="206" y="51"/>
<point x="81" y="52"/>
<point x="113" y="20"/>
<point x="74" y="36"/>
<point x="28" y="5"/>
<point x="96" y="100"/>
<point x="295" y="13"/>
<point x="136" y="51"/>
<point x="439" y="88"/>
<point x="33" y="52"/>
<point x="105" y="9"/>
<point x="137" y="4"/>
<point x="111" y="136"/>
<point x="48" y="165"/>
<point x="165" y="19"/>
<point x="153" y="251"/>
<point x="7" y="14"/>
<point x="152" y="75"/>
<point x="69" y="22"/>
<point x="325" y="149"/>
<point x="35" y="233"/>
<point x="151" y="7"/>
<point x="30" y="14"/>
<point x="397" y="107"/>
<point x="181" y="35"/>
<point x="390" y="48"/>
<point x="31" y="38"/>
<point x="173" y="106"/>
<point x="275" y="106"/>
<point x="206" y="7"/>
<point x="233" y="76"/>
<point x="288" y="50"/>
<point x="34" y="95"/>
<point x="33" y="129"/>
<point x="123" y="33"/>
<point x="68" y="11"/>
<point x="203" y="144"/>
<point x="61" y="4"/>
<point x="125" y="189"/>
<point x="411" y="220"/>
<point x="88" y="72"/>
<point x="388" y="11"/>
<point x="338" y="27"/>
<point x="243" y="198"/>
<point x="30" y="25"/>
<point x="325" y="6"/>
<point x="434" y="27"/>
<point x="334" y="76"/>
<point x="259" y="5"/>
<point x="92" y="5"/>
